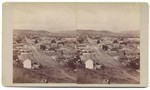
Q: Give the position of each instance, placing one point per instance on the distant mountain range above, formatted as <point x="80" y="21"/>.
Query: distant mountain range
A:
<point x="130" y="33"/>
<point x="110" y="33"/>
<point x="38" y="32"/>
<point x="95" y="31"/>
<point x="98" y="33"/>
<point x="83" y="32"/>
<point x="30" y="31"/>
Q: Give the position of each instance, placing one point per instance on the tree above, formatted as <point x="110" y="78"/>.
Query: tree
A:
<point x="80" y="40"/>
<point x="98" y="41"/>
<point x="115" y="41"/>
<point x="36" y="41"/>
<point x="53" y="41"/>
<point x="44" y="47"/>
<point x="104" y="47"/>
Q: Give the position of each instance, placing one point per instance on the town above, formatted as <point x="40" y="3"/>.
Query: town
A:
<point x="86" y="56"/>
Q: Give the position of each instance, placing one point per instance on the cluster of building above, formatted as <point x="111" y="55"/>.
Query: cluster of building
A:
<point x="124" y="50"/>
<point x="60" y="49"/>
<point x="22" y="54"/>
<point x="87" y="57"/>
<point x="69" y="52"/>
<point x="76" y="52"/>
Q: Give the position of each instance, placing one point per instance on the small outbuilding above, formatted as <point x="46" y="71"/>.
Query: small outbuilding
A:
<point x="35" y="66"/>
<point x="98" y="66"/>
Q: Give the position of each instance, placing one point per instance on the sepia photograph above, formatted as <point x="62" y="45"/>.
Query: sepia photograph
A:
<point x="77" y="43"/>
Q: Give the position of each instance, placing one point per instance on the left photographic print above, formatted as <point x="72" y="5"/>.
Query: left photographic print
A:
<point x="42" y="45"/>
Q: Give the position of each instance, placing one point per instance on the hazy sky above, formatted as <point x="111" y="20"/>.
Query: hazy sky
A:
<point x="45" y="16"/>
<point x="56" y="17"/>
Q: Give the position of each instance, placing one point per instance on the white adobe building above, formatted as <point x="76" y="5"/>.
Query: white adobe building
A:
<point x="89" y="64"/>
<point x="27" y="64"/>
